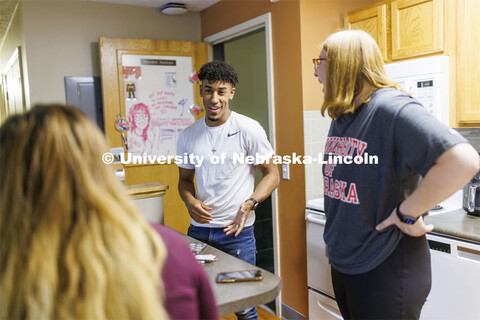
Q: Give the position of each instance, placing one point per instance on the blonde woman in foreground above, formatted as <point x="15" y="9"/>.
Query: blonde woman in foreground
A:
<point x="73" y="246"/>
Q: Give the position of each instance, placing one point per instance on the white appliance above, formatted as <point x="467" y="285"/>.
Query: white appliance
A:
<point x="426" y="79"/>
<point x="455" y="273"/>
<point x="455" y="280"/>
<point x="452" y="203"/>
<point x="321" y="299"/>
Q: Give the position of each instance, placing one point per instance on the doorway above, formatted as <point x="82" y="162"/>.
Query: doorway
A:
<point x="13" y="87"/>
<point x="251" y="100"/>
<point x="247" y="47"/>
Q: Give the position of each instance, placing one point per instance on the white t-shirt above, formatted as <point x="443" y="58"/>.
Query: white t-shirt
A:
<point x="224" y="186"/>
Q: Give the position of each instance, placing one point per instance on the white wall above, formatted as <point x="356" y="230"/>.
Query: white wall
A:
<point x="61" y="38"/>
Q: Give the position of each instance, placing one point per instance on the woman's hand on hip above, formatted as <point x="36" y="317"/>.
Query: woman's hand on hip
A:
<point x="419" y="228"/>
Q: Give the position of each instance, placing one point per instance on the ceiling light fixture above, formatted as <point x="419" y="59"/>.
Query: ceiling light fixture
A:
<point x="174" y="8"/>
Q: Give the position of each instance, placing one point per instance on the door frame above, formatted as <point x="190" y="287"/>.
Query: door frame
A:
<point x="15" y="58"/>
<point x="263" y="21"/>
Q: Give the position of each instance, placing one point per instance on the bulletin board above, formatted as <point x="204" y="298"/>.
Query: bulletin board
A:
<point x="159" y="102"/>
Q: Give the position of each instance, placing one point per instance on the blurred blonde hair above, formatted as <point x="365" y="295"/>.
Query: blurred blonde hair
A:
<point x="353" y="59"/>
<point x="73" y="246"/>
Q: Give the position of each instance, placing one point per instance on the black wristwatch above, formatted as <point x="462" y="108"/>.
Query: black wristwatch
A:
<point x="405" y="219"/>
<point x="255" y="203"/>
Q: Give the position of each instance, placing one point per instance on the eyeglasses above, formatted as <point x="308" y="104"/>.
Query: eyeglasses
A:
<point x="317" y="62"/>
<point x="140" y="115"/>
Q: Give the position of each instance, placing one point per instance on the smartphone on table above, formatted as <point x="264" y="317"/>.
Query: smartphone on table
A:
<point x="239" y="276"/>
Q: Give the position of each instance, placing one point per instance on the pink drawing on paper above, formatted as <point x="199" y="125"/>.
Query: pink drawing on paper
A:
<point x="141" y="138"/>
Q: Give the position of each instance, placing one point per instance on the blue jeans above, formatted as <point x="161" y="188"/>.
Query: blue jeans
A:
<point x="242" y="247"/>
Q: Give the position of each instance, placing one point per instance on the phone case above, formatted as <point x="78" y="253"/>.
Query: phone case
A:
<point x="232" y="280"/>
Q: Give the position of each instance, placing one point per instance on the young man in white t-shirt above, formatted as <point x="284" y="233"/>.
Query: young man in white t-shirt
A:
<point x="222" y="209"/>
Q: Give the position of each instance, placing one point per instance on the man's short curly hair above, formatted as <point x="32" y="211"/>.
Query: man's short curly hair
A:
<point x="218" y="71"/>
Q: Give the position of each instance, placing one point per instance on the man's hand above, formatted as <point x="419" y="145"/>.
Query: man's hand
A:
<point x="419" y="228"/>
<point x="198" y="211"/>
<point x="238" y="223"/>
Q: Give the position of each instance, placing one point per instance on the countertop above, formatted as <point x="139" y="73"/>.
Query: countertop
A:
<point x="233" y="297"/>
<point x="147" y="190"/>
<point x="456" y="224"/>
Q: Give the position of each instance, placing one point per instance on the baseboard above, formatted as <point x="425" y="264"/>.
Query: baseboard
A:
<point x="290" y="314"/>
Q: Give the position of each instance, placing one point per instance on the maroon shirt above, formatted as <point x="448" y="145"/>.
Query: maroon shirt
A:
<point x="187" y="288"/>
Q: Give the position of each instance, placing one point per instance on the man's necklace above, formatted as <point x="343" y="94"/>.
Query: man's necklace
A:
<point x="209" y="135"/>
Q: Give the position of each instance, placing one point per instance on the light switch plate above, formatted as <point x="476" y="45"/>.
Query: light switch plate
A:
<point x="285" y="171"/>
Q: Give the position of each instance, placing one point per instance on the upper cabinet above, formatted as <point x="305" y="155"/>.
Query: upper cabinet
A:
<point x="408" y="29"/>
<point x="373" y="21"/>
<point x="417" y="27"/>
<point x="402" y="28"/>
<point x="468" y="62"/>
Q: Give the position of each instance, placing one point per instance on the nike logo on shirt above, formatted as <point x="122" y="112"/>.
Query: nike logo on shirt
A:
<point x="232" y="134"/>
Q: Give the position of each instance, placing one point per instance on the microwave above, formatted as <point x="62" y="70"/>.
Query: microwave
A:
<point x="427" y="80"/>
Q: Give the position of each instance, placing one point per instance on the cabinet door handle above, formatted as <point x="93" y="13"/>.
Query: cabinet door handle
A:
<point x="329" y="311"/>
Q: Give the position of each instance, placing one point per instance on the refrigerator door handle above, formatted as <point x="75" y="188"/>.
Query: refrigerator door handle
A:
<point x="329" y="311"/>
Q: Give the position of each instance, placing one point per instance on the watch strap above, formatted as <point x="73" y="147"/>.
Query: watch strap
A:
<point x="404" y="218"/>
<point x="255" y="203"/>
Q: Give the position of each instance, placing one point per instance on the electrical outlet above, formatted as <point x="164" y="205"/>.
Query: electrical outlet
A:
<point x="286" y="171"/>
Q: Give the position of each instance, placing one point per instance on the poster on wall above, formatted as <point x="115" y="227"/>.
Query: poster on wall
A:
<point x="158" y="96"/>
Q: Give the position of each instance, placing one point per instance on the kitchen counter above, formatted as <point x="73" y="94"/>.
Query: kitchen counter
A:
<point x="456" y="224"/>
<point x="233" y="297"/>
<point x="148" y="198"/>
<point x="147" y="190"/>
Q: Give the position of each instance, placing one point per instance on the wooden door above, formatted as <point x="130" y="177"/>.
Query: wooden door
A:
<point x="373" y="21"/>
<point x="468" y="62"/>
<point x="417" y="27"/>
<point x="111" y="52"/>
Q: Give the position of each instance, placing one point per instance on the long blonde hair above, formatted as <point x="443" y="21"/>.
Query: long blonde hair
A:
<point x="73" y="246"/>
<point x="353" y="59"/>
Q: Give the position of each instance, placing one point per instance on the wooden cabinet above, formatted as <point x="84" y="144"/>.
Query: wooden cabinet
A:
<point x="402" y="28"/>
<point x="468" y="62"/>
<point x="373" y="21"/>
<point x="408" y="29"/>
<point x="417" y="28"/>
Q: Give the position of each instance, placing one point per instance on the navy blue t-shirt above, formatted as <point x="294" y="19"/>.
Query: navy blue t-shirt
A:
<point x="406" y="141"/>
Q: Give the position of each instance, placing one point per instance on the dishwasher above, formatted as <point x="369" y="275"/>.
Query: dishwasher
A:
<point x="455" y="280"/>
<point x="321" y="298"/>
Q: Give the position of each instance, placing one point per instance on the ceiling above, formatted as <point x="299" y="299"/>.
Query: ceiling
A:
<point x="7" y="7"/>
<point x="6" y="11"/>
<point x="192" y="5"/>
